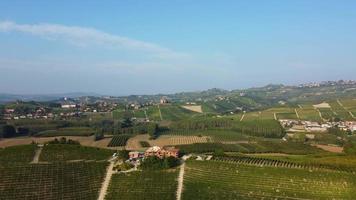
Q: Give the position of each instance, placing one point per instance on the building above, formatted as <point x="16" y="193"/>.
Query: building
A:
<point x="163" y="100"/>
<point x="69" y="106"/>
<point x="136" y="155"/>
<point x="162" y="152"/>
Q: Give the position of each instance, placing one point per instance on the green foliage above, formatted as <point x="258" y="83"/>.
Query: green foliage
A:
<point x="155" y="163"/>
<point x="124" y="166"/>
<point x="144" y="144"/>
<point x="123" y="154"/>
<point x="64" y="140"/>
<point x="8" y="131"/>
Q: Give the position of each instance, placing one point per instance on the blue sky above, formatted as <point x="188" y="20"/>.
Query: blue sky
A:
<point x="147" y="47"/>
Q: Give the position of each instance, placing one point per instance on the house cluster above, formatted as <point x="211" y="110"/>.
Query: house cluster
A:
<point x="310" y="126"/>
<point x="39" y="113"/>
<point x="155" y="151"/>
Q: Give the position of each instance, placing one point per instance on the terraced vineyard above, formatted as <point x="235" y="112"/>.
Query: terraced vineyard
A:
<point x="52" y="181"/>
<point x="66" y="152"/>
<point x="144" y="185"/>
<point x="222" y="180"/>
<point x="119" y="140"/>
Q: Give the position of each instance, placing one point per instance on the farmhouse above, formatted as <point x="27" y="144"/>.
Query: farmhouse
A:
<point x="136" y="155"/>
<point x="162" y="152"/>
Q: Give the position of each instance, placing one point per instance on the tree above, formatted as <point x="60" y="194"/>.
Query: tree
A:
<point x="8" y="131"/>
<point x="123" y="154"/>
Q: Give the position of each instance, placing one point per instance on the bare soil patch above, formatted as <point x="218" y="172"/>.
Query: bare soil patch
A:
<point x="329" y="148"/>
<point x="322" y="105"/>
<point x="194" y="108"/>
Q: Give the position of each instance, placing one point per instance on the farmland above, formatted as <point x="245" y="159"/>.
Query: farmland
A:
<point x="253" y="182"/>
<point x="119" y="140"/>
<point x="144" y="185"/>
<point x="70" y="131"/>
<point x="51" y="181"/>
<point x="66" y="152"/>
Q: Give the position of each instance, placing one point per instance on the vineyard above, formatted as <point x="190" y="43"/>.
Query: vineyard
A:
<point x="119" y="140"/>
<point x="260" y="128"/>
<point x="70" y="131"/>
<point x="175" y="112"/>
<point x="67" y="152"/>
<point x="253" y="147"/>
<point x="271" y="162"/>
<point x="17" y="154"/>
<point x="239" y="181"/>
<point x="52" y="181"/>
<point x="144" y="185"/>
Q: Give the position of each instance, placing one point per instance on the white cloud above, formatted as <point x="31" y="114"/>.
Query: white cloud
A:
<point x="84" y="36"/>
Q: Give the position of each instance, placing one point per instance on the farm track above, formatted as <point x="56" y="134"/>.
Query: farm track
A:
<point x="107" y="179"/>
<point x="320" y="115"/>
<point x="339" y="102"/>
<point x="180" y="181"/>
<point x="242" y="117"/>
<point x="296" y="112"/>
<point x="36" y="157"/>
<point x="160" y="113"/>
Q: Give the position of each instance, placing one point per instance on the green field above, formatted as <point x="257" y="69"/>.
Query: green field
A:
<point x="144" y="185"/>
<point x="70" y="131"/>
<point x="222" y="180"/>
<point x="175" y="112"/>
<point x="66" y="152"/>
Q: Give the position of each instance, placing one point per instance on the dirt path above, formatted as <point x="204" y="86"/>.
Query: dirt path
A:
<point x="105" y="185"/>
<point x="296" y="112"/>
<point x="275" y="116"/>
<point x="242" y="117"/>
<point x="321" y="116"/>
<point x="36" y="158"/>
<point x="160" y="114"/>
<point x="339" y="102"/>
<point x="180" y="181"/>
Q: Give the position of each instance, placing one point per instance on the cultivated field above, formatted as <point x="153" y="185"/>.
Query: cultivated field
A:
<point x="144" y="185"/>
<point x="84" y="141"/>
<point x="164" y="140"/>
<point x="235" y="181"/>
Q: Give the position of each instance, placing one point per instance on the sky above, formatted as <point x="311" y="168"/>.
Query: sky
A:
<point x="149" y="47"/>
